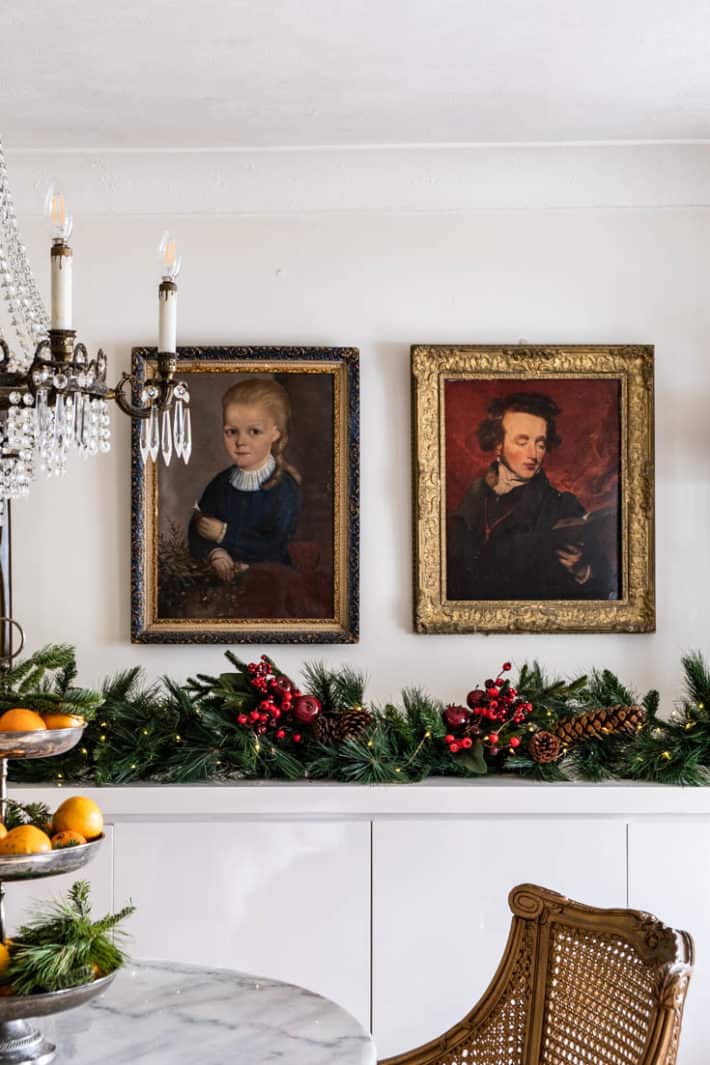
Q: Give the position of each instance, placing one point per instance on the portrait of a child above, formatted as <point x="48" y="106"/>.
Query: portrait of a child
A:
<point x="255" y="538"/>
<point x="249" y="512"/>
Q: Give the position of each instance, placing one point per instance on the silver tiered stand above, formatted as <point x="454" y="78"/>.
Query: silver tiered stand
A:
<point x="20" y="1042"/>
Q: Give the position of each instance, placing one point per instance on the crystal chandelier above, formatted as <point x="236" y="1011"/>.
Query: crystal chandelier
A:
<point x="53" y="396"/>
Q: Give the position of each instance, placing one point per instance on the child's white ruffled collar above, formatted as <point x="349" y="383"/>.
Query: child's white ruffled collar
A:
<point x="252" y="480"/>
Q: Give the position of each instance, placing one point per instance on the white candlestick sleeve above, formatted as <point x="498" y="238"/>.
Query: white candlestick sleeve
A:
<point x="167" y="319"/>
<point x="61" y="259"/>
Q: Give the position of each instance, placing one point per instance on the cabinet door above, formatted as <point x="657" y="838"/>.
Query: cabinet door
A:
<point x="286" y="900"/>
<point x="440" y="909"/>
<point x="669" y="876"/>
<point x="21" y="896"/>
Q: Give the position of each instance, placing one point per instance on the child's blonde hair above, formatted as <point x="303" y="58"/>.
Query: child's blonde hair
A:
<point x="275" y="398"/>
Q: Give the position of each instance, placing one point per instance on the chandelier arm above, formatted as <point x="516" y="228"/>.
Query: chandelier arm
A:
<point x="40" y="348"/>
<point x="37" y="362"/>
<point x="11" y="653"/>
<point x="125" y="405"/>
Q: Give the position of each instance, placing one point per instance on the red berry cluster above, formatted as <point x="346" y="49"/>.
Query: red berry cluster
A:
<point x="281" y="706"/>
<point x="497" y="702"/>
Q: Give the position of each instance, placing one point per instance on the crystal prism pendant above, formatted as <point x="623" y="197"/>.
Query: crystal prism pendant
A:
<point x="187" y="440"/>
<point x="144" y="439"/>
<point x="78" y="419"/>
<point x="44" y="414"/>
<point x="179" y="427"/>
<point x="166" y="438"/>
<point x="153" y="434"/>
<point x="59" y="422"/>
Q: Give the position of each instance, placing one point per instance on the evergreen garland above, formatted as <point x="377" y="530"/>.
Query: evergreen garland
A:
<point x="243" y="724"/>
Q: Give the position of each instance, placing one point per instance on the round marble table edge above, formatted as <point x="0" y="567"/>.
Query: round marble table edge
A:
<point x="353" y="1045"/>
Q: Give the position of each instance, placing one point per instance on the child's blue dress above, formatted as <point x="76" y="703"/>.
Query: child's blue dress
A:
<point x="260" y="523"/>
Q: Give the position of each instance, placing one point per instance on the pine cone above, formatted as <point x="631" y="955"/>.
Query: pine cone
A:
<point x="596" y="724"/>
<point x="341" y="725"/>
<point x="353" y="724"/>
<point x="544" y="747"/>
<point x="326" y="729"/>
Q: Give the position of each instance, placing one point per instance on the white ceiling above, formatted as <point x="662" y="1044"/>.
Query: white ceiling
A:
<point x="285" y="73"/>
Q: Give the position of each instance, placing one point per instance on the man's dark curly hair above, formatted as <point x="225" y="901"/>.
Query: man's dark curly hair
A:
<point x="490" y="431"/>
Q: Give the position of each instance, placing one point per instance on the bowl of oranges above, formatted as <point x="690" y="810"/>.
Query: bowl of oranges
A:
<point x="24" y="733"/>
<point x="63" y="845"/>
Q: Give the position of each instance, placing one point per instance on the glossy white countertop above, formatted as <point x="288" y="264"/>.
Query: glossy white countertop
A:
<point x="440" y="797"/>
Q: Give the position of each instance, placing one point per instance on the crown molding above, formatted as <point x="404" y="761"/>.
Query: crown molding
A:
<point x="393" y="179"/>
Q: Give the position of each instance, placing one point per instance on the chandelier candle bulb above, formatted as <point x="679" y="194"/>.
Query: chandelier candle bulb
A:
<point x="61" y="258"/>
<point x="170" y="263"/>
<point x="167" y="319"/>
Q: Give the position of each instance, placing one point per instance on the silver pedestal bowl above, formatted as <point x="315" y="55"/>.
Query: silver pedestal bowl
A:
<point x="53" y="863"/>
<point x="39" y="743"/>
<point x="23" y="1044"/>
<point x="20" y="1042"/>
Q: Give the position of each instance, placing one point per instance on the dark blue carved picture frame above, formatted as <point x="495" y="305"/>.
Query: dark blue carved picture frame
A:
<point x="178" y="598"/>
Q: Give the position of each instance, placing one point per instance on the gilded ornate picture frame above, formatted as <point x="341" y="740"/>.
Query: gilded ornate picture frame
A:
<point x="534" y="488"/>
<point x="256" y="539"/>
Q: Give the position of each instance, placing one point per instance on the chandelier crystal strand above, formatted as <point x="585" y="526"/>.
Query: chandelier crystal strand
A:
<point x="26" y="310"/>
<point x="32" y="307"/>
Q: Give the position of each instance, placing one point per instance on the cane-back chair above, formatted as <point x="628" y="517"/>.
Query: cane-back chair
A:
<point x="576" y="986"/>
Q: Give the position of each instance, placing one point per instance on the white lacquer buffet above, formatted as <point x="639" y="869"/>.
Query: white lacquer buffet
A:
<point x="391" y="900"/>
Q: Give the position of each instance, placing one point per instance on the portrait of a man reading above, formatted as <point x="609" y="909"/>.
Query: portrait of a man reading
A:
<point x="539" y="519"/>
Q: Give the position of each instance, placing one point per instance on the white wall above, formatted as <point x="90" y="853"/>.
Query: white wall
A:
<point x="380" y="250"/>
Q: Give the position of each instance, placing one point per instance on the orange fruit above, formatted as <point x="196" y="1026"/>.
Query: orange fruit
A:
<point x="25" y="839"/>
<point x="79" y="814"/>
<point x="67" y="839"/>
<point x="3" y="831"/>
<point x="4" y="958"/>
<point x="21" y="720"/>
<point x="63" y="721"/>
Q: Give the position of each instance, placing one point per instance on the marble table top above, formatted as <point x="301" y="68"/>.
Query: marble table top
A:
<point x="165" y="1014"/>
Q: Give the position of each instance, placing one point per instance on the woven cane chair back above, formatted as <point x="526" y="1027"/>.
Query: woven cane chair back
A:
<point x="576" y="986"/>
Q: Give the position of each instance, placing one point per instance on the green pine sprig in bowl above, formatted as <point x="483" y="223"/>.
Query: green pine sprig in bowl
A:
<point x="61" y="947"/>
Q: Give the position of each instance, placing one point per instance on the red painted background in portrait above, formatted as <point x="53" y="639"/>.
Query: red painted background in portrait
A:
<point x="587" y="463"/>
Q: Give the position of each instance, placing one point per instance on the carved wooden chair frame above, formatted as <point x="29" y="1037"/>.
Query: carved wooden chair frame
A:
<point x="511" y="1024"/>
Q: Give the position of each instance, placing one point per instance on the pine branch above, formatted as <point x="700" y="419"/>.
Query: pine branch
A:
<point x="319" y="682"/>
<point x="67" y="674"/>
<point x="423" y="712"/>
<point x="122" y="685"/>
<point x="61" y="947"/>
<point x="51" y="658"/>
<point x="697" y="679"/>
<point x="606" y="688"/>
<point x="347" y="687"/>
<point x="651" y="702"/>
<point x="29" y="813"/>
